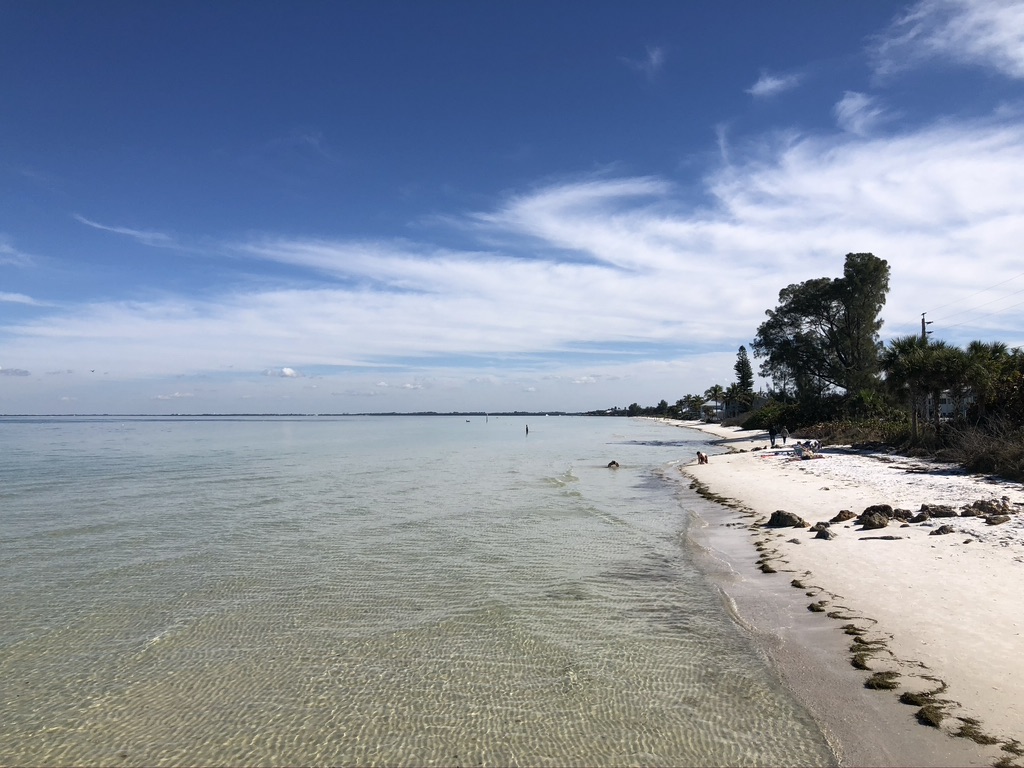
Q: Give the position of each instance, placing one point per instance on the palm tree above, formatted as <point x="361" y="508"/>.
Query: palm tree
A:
<point x="986" y="363"/>
<point x="715" y="392"/>
<point x="904" y="365"/>
<point x="732" y="395"/>
<point x="945" y="370"/>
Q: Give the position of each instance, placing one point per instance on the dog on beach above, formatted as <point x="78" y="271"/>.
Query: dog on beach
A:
<point x="702" y="458"/>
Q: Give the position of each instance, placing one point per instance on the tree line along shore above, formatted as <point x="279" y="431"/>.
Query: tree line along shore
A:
<point x="833" y="379"/>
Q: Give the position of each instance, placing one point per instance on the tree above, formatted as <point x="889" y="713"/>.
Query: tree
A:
<point x="986" y="362"/>
<point x="744" y="374"/>
<point x="715" y="392"/>
<point x="732" y="397"/>
<point x="823" y="335"/>
<point x="903" y="362"/>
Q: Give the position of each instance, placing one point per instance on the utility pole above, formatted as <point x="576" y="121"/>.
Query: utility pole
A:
<point x="924" y="329"/>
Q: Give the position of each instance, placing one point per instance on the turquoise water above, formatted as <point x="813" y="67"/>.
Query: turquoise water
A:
<point x="368" y="591"/>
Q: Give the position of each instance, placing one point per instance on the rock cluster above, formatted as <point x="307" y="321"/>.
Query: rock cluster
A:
<point x="879" y="516"/>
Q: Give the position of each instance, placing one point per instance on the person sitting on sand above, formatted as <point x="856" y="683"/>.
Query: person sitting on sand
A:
<point x="702" y="458"/>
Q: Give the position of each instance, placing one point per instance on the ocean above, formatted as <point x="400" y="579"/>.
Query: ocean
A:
<point x="379" y="590"/>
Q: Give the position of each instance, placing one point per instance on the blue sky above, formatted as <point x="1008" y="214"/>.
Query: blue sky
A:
<point x="402" y="206"/>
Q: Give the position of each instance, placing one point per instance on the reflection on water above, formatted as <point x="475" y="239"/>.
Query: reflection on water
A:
<point x="361" y="592"/>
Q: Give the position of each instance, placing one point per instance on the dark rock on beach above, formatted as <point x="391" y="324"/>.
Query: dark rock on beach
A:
<point x="938" y="510"/>
<point x="782" y="519"/>
<point x="997" y="519"/>
<point x="880" y="509"/>
<point x="825" y="533"/>
<point x="873" y="520"/>
<point x="942" y="530"/>
<point x="843" y="516"/>
<point x="921" y="517"/>
<point x="985" y="507"/>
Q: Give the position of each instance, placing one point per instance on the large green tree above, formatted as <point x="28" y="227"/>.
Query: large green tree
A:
<point x="823" y="335"/>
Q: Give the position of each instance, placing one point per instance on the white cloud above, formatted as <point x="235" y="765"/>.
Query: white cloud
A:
<point x="174" y="396"/>
<point x="613" y="283"/>
<point x="651" y="63"/>
<point x="146" y="237"/>
<point x="987" y="33"/>
<point x="769" y="85"/>
<point x="11" y="256"/>
<point x="857" y="113"/>
<point x="283" y="373"/>
<point x="19" y="298"/>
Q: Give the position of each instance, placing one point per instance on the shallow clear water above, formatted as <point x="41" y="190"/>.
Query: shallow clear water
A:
<point x="368" y="591"/>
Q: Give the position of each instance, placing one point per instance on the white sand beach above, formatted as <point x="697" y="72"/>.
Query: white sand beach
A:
<point x="934" y="613"/>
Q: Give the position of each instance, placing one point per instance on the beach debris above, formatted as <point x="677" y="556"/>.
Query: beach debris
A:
<point x="843" y="516"/>
<point x="782" y="519"/>
<point x="942" y="530"/>
<point x="883" y="681"/>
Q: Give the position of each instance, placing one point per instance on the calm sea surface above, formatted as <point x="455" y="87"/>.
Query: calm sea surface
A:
<point x="368" y="591"/>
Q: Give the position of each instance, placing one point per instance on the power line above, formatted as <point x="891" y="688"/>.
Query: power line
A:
<point x="985" y="304"/>
<point x="1008" y="280"/>
<point x="984" y="314"/>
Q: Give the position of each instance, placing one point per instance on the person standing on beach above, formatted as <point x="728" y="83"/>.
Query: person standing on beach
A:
<point x="771" y="434"/>
<point x="784" y="433"/>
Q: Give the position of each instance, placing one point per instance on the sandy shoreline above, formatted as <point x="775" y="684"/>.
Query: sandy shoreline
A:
<point x="939" y="612"/>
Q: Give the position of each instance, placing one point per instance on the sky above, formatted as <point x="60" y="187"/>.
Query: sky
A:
<point x="454" y="205"/>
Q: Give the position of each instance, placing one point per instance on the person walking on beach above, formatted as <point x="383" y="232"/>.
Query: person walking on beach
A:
<point x="784" y="433"/>
<point x="771" y="434"/>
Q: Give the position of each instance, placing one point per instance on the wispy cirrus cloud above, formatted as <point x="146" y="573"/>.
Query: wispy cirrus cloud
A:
<point x="11" y="256"/>
<point x="174" y="396"/>
<point x="988" y="33"/>
<point x="146" y="237"/>
<point x="769" y="85"/>
<point x="858" y="113"/>
<point x="649" y="64"/>
<point x="19" y="298"/>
